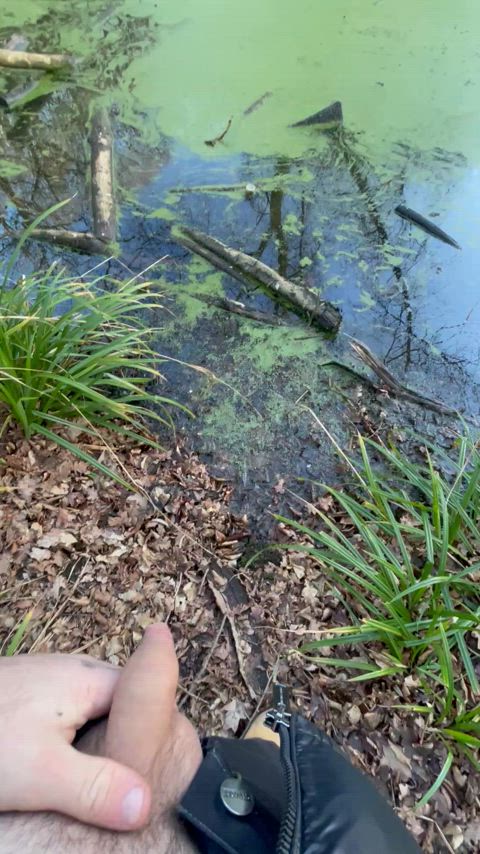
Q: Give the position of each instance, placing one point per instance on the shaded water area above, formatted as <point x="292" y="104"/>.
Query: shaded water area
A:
<point x="321" y="210"/>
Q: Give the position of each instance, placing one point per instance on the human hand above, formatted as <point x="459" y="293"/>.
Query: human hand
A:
<point x="44" y="699"/>
<point x="145" y="731"/>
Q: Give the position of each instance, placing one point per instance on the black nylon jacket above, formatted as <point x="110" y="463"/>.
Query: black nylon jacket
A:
<point x="308" y="799"/>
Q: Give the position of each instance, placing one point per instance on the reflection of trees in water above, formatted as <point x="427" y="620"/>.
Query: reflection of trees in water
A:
<point x="333" y="232"/>
<point x="48" y="140"/>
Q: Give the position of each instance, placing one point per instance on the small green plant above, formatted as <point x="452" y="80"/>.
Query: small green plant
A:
<point x="77" y="353"/>
<point x="405" y="560"/>
<point x="13" y="644"/>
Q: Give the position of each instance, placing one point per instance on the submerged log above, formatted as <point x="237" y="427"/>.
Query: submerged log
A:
<point x="103" y="201"/>
<point x="328" y="117"/>
<point x="426" y="225"/>
<point x="79" y="241"/>
<point x="235" y="307"/>
<point x="301" y="300"/>
<point x="209" y="256"/>
<point x="44" y="61"/>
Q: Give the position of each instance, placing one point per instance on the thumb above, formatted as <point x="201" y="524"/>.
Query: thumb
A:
<point x="97" y="791"/>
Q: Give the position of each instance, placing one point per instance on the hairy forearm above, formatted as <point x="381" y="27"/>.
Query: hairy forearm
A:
<point x="49" y="833"/>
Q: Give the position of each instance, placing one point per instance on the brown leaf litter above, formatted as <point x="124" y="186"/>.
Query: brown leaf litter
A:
<point x="97" y="563"/>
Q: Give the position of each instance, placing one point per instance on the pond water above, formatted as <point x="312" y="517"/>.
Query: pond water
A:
<point x="323" y="209"/>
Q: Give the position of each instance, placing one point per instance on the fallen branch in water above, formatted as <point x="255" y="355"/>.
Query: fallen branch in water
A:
<point x="335" y="363"/>
<point x="103" y="202"/>
<point x="258" y="103"/>
<point x="330" y="116"/>
<point x="213" y="259"/>
<point x="209" y="188"/>
<point x="80" y="241"/>
<point x="44" y="61"/>
<point x="234" y="307"/>
<point x="393" y="385"/>
<point x="213" y="142"/>
<point x="240" y="265"/>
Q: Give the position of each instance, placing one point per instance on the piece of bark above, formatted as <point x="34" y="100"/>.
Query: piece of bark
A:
<point x="329" y="116"/>
<point x="80" y="241"/>
<point x="302" y="300"/>
<point x="44" y="61"/>
<point x="103" y="201"/>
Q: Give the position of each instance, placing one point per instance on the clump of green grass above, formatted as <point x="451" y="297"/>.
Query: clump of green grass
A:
<point x="78" y="353"/>
<point x="14" y="641"/>
<point x="405" y="561"/>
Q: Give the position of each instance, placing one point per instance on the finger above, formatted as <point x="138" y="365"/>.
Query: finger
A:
<point x="96" y="686"/>
<point x="96" y="790"/>
<point x="80" y="691"/>
<point x="144" y="702"/>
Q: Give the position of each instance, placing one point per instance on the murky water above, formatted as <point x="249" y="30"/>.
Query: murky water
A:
<point x="173" y="73"/>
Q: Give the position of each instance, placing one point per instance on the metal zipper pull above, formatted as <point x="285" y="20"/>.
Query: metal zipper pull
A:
<point x="280" y="714"/>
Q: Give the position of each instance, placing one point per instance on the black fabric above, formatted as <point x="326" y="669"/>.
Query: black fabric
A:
<point x="341" y="812"/>
<point x="211" y="826"/>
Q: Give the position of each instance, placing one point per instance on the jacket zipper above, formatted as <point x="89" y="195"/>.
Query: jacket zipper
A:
<point x="280" y="720"/>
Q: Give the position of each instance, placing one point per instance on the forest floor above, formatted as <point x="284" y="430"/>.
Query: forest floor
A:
<point x="96" y="563"/>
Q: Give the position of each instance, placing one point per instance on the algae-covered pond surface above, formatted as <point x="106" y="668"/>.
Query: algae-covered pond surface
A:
<point x="322" y="211"/>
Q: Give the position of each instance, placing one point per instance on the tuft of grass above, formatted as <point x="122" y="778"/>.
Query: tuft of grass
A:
<point x="13" y="645"/>
<point x="77" y="354"/>
<point x="405" y="559"/>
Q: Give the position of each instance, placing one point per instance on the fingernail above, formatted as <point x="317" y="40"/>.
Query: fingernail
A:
<point x="132" y="805"/>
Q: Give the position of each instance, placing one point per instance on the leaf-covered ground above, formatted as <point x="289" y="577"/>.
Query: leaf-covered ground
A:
<point x="98" y="563"/>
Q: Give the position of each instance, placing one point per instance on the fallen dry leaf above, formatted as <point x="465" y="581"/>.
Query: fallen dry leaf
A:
<point x="395" y="759"/>
<point x="56" y="537"/>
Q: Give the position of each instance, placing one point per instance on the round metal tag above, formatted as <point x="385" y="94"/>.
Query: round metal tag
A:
<point x="236" y="796"/>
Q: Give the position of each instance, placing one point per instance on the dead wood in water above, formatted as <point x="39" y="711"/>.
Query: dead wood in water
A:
<point x="328" y="117"/>
<point x="213" y="142"/>
<point x="258" y="103"/>
<point x="302" y="300"/>
<point x="80" y="241"/>
<point x="43" y="61"/>
<point x="235" y="307"/>
<point x="103" y="201"/>
<point x="395" y="386"/>
<point x="209" y="256"/>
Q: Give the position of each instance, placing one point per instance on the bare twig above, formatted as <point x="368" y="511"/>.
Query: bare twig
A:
<point x="213" y="142"/>
<point x="198" y="676"/>
<point x="227" y="612"/>
<point x="238" y="308"/>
